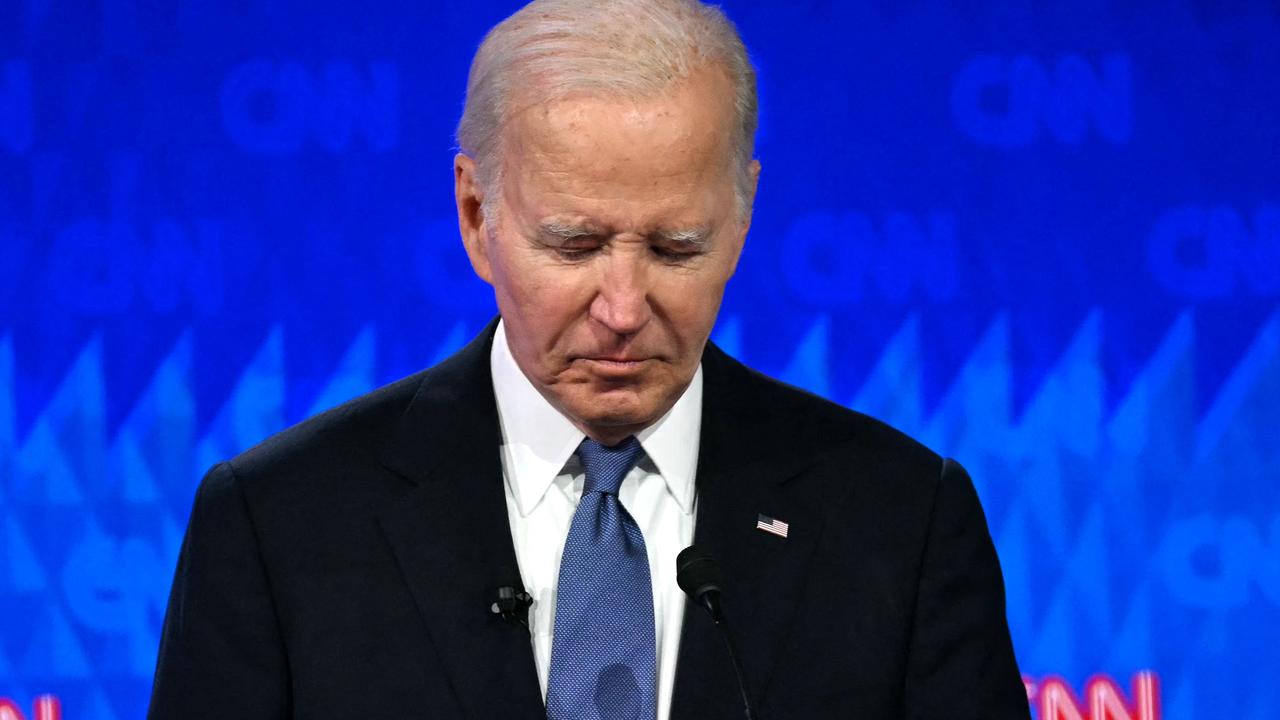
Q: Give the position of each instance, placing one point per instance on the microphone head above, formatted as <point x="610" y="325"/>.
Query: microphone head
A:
<point x="697" y="573"/>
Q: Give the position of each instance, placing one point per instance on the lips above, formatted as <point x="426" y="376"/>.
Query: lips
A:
<point x="616" y="366"/>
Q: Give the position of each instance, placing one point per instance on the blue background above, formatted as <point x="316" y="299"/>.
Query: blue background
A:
<point x="1043" y="237"/>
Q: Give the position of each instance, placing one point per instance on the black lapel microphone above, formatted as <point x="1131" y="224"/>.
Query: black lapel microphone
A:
<point x="512" y="604"/>
<point x="698" y="575"/>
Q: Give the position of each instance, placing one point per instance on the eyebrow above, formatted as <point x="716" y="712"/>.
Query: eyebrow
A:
<point x="696" y="236"/>
<point x="687" y="236"/>
<point x="566" y="231"/>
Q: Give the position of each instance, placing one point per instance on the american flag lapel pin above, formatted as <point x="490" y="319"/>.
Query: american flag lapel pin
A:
<point x="773" y="526"/>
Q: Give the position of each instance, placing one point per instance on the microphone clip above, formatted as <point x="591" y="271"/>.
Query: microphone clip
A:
<point x="512" y="605"/>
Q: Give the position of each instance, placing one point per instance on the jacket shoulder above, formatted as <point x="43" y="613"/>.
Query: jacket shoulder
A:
<point x="806" y="422"/>
<point x="351" y="432"/>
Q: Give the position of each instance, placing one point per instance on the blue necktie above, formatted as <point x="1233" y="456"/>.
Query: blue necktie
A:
<point x="603" y="657"/>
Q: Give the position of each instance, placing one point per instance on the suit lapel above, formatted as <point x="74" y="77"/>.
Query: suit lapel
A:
<point x="451" y="538"/>
<point x="747" y="466"/>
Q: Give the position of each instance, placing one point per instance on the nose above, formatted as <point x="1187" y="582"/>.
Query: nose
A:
<point x="622" y="300"/>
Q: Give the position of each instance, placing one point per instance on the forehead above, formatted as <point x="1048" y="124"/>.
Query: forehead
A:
<point x="590" y="153"/>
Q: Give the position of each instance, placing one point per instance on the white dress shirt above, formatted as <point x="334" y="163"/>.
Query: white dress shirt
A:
<point x="544" y="481"/>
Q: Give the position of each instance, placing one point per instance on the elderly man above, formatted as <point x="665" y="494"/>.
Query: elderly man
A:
<point x="351" y="566"/>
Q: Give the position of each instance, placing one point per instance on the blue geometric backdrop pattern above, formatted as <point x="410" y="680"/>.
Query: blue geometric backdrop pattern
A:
<point x="1042" y="237"/>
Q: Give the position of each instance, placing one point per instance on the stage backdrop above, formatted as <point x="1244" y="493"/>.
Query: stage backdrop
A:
<point x="1043" y="237"/>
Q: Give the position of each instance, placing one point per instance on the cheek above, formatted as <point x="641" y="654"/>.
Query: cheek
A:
<point x="519" y="281"/>
<point x="543" y="303"/>
<point x="693" y="301"/>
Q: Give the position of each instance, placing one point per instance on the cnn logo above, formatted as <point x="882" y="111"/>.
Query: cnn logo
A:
<point x="46" y="707"/>
<point x="1053" y="699"/>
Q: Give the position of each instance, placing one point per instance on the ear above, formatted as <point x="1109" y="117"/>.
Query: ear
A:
<point x="754" y="170"/>
<point x="471" y="221"/>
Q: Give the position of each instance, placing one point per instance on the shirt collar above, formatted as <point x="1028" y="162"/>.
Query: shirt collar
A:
<point x="538" y="441"/>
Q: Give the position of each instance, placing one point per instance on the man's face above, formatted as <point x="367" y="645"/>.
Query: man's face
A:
<point x="616" y="232"/>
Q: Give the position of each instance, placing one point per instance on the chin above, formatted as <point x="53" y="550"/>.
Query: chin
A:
<point x="607" y="414"/>
<point x="605" y="411"/>
<point x="633" y="403"/>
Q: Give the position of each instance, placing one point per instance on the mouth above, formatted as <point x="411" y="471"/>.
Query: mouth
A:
<point x="616" y="366"/>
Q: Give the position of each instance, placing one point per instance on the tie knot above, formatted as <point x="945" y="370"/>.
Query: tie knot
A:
<point x="607" y="466"/>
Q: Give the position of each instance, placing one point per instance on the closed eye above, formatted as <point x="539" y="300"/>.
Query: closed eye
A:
<point x="679" y="246"/>
<point x="570" y="242"/>
<point x="674" y="255"/>
<point x="572" y="254"/>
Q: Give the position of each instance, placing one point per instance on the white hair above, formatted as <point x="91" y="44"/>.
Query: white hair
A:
<point x="626" y="48"/>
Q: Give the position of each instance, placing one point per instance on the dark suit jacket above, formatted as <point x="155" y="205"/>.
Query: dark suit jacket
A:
<point x="344" y="567"/>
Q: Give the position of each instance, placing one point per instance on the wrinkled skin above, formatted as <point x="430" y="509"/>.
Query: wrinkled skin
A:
<point x="614" y="235"/>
